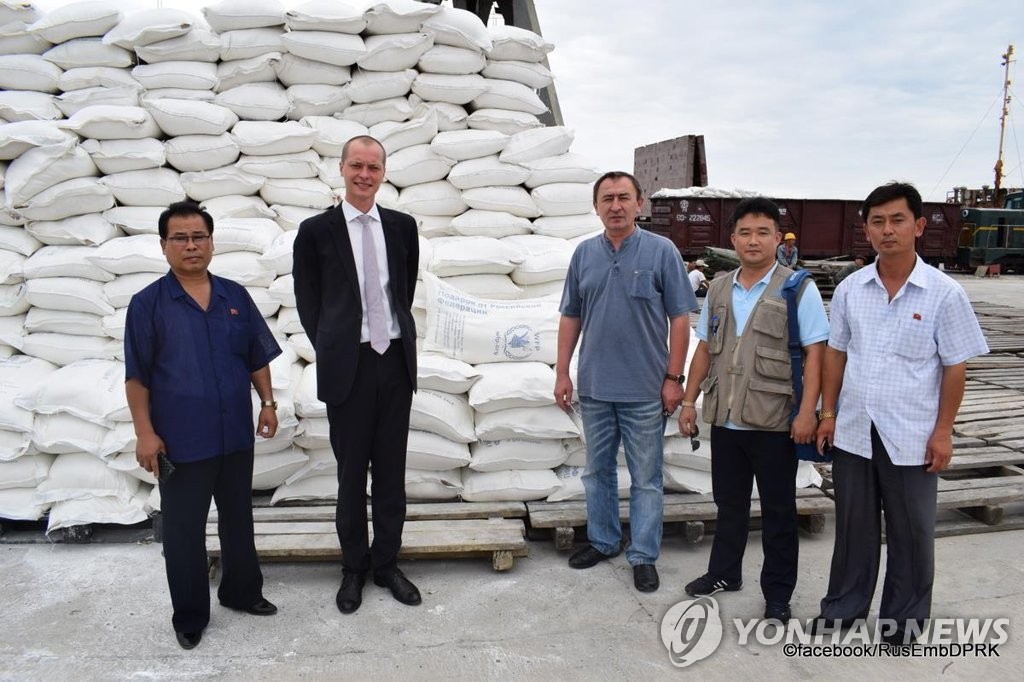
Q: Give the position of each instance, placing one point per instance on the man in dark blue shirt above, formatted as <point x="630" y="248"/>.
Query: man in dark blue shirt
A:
<point x="194" y="343"/>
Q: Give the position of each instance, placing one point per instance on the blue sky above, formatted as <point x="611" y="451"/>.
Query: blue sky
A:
<point x="797" y="98"/>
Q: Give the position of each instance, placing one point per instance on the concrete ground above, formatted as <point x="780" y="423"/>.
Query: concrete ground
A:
<point x="102" y="612"/>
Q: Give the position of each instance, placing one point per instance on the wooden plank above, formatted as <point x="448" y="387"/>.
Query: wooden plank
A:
<point x="950" y="528"/>
<point x="413" y="512"/>
<point x="680" y="508"/>
<point x="976" y="497"/>
<point x="1013" y="482"/>
<point x="419" y="539"/>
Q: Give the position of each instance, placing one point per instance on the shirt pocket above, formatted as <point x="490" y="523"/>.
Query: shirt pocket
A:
<point x="773" y="363"/>
<point x="238" y="337"/>
<point x="642" y="285"/>
<point x="915" y="340"/>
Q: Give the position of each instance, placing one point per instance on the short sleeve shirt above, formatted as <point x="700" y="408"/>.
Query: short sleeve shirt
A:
<point x="895" y="354"/>
<point x="624" y="300"/>
<point x="197" y="364"/>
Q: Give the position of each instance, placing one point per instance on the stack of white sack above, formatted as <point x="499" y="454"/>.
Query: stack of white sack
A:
<point x="22" y="466"/>
<point x="81" y="421"/>
<point x="108" y="117"/>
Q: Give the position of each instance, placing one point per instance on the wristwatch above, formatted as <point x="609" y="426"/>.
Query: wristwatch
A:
<point x="272" y="404"/>
<point x="678" y="378"/>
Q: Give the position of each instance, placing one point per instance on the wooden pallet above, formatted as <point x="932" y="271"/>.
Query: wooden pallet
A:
<point x="694" y="512"/>
<point x="432" y="531"/>
<point x="957" y="523"/>
<point x="978" y="488"/>
<point x="982" y="493"/>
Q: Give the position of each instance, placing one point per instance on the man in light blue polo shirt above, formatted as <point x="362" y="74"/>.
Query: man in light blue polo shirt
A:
<point x="626" y="293"/>
<point x="743" y="367"/>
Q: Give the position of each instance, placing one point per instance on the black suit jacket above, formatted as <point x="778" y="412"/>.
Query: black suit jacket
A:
<point x="328" y="297"/>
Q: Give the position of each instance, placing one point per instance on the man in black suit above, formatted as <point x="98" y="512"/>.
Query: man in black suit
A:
<point x="355" y="273"/>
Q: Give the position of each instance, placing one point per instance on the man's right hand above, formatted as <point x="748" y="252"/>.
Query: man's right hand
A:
<point x="146" y="450"/>
<point x="563" y="393"/>
<point x="687" y="420"/>
<point x="825" y="433"/>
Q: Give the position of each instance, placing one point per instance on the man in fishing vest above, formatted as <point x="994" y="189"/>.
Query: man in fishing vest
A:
<point x="742" y="365"/>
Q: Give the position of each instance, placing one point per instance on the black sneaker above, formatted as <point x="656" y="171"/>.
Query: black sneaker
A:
<point x="706" y="585"/>
<point x="777" y="610"/>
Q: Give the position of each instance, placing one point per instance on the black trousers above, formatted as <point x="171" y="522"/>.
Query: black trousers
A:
<point x="863" y="488"/>
<point x="737" y="459"/>
<point x="371" y="429"/>
<point x="185" y="503"/>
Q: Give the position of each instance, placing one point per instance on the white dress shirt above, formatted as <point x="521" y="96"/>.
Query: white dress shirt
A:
<point x="895" y="352"/>
<point x="355" y="234"/>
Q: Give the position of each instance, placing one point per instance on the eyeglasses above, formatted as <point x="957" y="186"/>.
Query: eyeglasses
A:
<point x="183" y="239"/>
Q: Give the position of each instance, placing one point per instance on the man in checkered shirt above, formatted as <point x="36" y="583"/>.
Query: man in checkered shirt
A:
<point x="892" y="382"/>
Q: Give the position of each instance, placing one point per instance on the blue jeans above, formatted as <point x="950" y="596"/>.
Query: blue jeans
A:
<point x="640" y="427"/>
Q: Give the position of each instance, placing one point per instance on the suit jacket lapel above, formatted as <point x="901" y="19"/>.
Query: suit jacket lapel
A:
<point x="339" y="233"/>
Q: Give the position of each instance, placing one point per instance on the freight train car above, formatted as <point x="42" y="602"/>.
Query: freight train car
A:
<point x="824" y="228"/>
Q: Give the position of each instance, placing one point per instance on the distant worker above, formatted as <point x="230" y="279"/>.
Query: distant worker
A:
<point x="626" y="295"/>
<point x="786" y="254"/>
<point x="892" y="382"/>
<point x="849" y="269"/>
<point x="193" y="344"/>
<point x="742" y="365"/>
<point x="698" y="280"/>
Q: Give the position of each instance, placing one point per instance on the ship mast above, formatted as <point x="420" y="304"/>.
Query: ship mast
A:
<point x="1007" y="60"/>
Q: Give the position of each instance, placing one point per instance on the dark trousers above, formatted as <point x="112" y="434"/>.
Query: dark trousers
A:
<point x="371" y="429"/>
<point x="737" y="459"/>
<point x="863" y="488"/>
<point x="185" y="503"/>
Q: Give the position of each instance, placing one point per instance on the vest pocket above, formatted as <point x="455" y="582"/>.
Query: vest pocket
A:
<point x="716" y="329"/>
<point x="766" y="404"/>
<point x="770" y="319"/>
<point x="773" y="363"/>
<point x="709" y="407"/>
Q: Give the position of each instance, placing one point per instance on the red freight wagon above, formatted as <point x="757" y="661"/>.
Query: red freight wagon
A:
<point x="824" y="228"/>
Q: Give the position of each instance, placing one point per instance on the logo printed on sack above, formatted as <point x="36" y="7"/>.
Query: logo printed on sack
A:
<point x="691" y="631"/>
<point x="519" y="343"/>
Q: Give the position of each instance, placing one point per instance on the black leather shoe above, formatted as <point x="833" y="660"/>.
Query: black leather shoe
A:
<point x="779" y="611"/>
<point x="645" y="577"/>
<point x="188" y="640"/>
<point x="589" y="556"/>
<point x="401" y="588"/>
<point x="350" y="594"/>
<point x="261" y="608"/>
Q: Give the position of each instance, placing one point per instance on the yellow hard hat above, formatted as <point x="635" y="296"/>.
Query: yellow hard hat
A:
<point x="789" y="235"/>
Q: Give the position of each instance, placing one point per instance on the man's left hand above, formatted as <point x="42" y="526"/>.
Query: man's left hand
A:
<point x="938" y="452"/>
<point x="804" y="427"/>
<point x="266" y="425"/>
